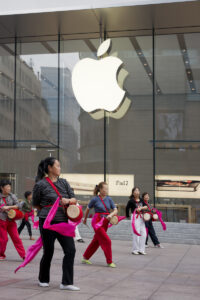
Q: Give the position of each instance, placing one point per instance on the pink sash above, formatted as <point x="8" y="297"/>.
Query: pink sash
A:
<point x="66" y="229"/>
<point x="160" y="219"/>
<point x="96" y="224"/>
<point x="133" y="223"/>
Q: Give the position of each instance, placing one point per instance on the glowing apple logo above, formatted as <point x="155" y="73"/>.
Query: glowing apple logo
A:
<point x="95" y="84"/>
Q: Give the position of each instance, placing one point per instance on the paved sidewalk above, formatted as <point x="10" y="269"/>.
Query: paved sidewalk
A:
<point x="169" y="273"/>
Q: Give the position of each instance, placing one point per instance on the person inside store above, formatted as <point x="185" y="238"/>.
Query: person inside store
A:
<point x="8" y="201"/>
<point x="47" y="189"/>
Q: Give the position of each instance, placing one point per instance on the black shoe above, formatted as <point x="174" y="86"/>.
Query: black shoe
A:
<point x="80" y="241"/>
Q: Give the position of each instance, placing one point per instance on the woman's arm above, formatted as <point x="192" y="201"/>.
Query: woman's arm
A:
<point x="86" y="215"/>
<point x="127" y="209"/>
<point x="6" y="207"/>
<point x="115" y="211"/>
<point x="36" y="196"/>
<point x="65" y="201"/>
<point x="144" y="207"/>
<point x="72" y="199"/>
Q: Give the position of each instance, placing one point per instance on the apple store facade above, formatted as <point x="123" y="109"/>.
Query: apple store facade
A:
<point x="151" y="141"/>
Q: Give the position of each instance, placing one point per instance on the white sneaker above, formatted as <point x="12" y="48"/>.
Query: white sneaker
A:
<point x="69" y="287"/>
<point x="142" y="252"/>
<point x="43" y="284"/>
<point x="146" y="246"/>
<point x="135" y="252"/>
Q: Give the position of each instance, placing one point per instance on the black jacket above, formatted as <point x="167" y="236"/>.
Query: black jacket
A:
<point x="44" y="194"/>
<point x="132" y="205"/>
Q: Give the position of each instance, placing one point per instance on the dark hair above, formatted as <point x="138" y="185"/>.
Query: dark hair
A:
<point x="27" y="193"/>
<point x="133" y="190"/>
<point x="144" y="194"/>
<point x="3" y="183"/>
<point x="43" y="167"/>
<point x="98" y="187"/>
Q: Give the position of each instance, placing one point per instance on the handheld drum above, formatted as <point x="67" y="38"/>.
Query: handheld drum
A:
<point x="146" y="217"/>
<point x="114" y="220"/>
<point x="15" y="214"/>
<point x="74" y="212"/>
<point x="155" y="217"/>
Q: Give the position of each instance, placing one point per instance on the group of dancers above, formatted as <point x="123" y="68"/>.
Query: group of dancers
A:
<point x="53" y="193"/>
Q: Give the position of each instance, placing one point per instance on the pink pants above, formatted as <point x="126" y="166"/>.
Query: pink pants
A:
<point x="10" y="227"/>
<point x="100" y="239"/>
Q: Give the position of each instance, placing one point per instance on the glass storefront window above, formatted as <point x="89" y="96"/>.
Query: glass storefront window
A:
<point x="177" y="126"/>
<point x="129" y="147"/>
<point x="40" y="116"/>
<point x="81" y="136"/>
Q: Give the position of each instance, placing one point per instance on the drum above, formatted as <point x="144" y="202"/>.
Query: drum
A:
<point x="15" y="214"/>
<point x="74" y="212"/>
<point x="114" y="220"/>
<point x="155" y="217"/>
<point x="146" y="217"/>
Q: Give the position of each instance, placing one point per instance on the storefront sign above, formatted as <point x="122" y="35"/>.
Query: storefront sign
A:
<point x="95" y="83"/>
<point x="84" y="184"/>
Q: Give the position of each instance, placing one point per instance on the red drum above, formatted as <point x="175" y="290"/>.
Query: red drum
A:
<point x="74" y="212"/>
<point x="146" y="217"/>
<point x="114" y="220"/>
<point x="15" y="214"/>
<point x="154" y="217"/>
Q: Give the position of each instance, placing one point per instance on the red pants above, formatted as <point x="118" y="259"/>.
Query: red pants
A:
<point x="10" y="227"/>
<point x="100" y="239"/>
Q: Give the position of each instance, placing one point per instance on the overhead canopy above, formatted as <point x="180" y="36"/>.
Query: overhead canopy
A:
<point x="84" y="17"/>
<point x="10" y="7"/>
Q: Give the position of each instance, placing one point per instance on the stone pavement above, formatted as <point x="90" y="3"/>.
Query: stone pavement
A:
<point x="171" y="273"/>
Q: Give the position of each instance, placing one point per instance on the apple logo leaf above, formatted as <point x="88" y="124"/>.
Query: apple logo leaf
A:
<point x="103" y="48"/>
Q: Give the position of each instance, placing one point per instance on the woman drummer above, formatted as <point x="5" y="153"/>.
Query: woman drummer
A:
<point x="136" y="204"/>
<point x="8" y="201"/>
<point x="102" y="205"/>
<point x="44" y="196"/>
<point x="149" y="225"/>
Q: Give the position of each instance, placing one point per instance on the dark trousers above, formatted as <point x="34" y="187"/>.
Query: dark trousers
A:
<point x="28" y="225"/>
<point x="68" y="246"/>
<point x="151" y="232"/>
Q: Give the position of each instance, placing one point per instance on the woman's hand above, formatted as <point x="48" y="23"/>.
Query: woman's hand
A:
<point x="4" y="208"/>
<point x="139" y="209"/>
<point x="144" y="207"/>
<point x="109" y="217"/>
<point x="65" y="201"/>
<point x="86" y="215"/>
<point x="114" y="213"/>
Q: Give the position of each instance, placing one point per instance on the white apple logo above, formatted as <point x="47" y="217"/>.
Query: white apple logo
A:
<point x="94" y="82"/>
